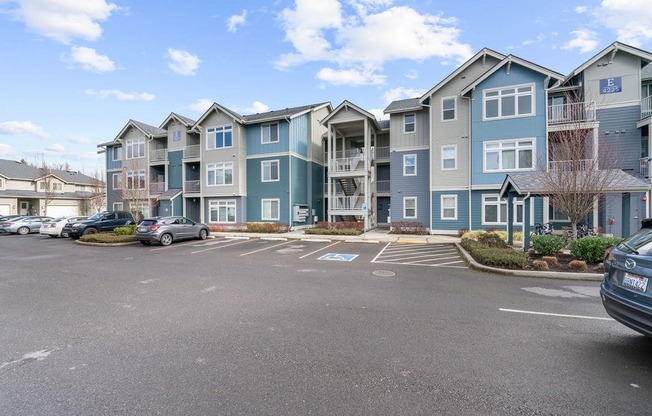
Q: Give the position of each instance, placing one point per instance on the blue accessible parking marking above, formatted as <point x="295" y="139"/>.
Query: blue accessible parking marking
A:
<point x="338" y="257"/>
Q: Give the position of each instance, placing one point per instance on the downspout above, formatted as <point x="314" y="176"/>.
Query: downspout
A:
<point x="291" y="220"/>
<point x="470" y="168"/>
<point x="430" y="151"/>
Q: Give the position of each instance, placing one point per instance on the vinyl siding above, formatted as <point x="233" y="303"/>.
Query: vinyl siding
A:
<point x="318" y="179"/>
<point x="476" y="211"/>
<point x="626" y="145"/>
<point x="624" y="65"/>
<point x="450" y="226"/>
<point x="240" y="208"/>
<point x="400" y="140"/>
<point x="254" y="137"/>
<point x="258" y="190"/>
<point x="235" y="154"/>
<point x="175" y="169"/>
<point x="317" y="131"/>
<point x="299" y="135"/>
<point x="410" y="186"/>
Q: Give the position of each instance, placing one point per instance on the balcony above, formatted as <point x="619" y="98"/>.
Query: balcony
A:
<point x="645" y="170"/>
<point x="646" y="107"/>
<point x="348" y="203"/>
<point x="572" y="113"/>
<point x="156" y="188"/>
<point x="192" y="187"/>
<point x="382" y="187"/>
<point x="571" y="165"/>
<point x="381" y="153"/>
<point x="191" y="151"/>
<point x="158" y="155"/>
<point x="347" y="164"/>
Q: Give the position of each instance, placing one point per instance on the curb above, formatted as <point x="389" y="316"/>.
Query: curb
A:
<point x="84" y="243"/>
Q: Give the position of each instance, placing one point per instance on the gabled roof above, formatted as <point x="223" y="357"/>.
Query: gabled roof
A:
<point x="345" y="105"/>
<point x="181" y="119"/>
<point x="508" y="61"/>
<point x="646" y="72"/>
<point x="480" y="55"/>
<point x="286" y="113"/>
<point x="217" y="107"/>
<point x="611" y="51"/>
<point x="12" y="169"/>
<point x="147" y="130"/>
<point x="399" y="106"/>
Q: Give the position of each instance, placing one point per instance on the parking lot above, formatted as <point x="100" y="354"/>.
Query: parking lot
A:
<point x="251" y="326"/>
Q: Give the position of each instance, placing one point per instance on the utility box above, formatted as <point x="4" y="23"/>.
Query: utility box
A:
<point x="300" y="213"/>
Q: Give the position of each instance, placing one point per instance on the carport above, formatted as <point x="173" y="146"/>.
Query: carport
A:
<point x="529" y="185"/>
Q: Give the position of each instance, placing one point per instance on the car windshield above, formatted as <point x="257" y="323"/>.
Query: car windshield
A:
<point x="147" y="222"/>
<point x="639" y="242"/>
<point x="95" y="216"/>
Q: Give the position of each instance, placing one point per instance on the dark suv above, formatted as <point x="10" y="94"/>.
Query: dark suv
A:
<point x="100" y="222"/>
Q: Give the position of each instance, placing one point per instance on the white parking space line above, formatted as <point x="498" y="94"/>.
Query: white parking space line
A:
<point x="417" y="255"/>
<point x="381" y="252"/>
<point x="266" y="248"/>
<point x="221" y="246"/>
<point x="598" y="318"/>
<point x="175" y="245"/>
<point x="317" y="251"/>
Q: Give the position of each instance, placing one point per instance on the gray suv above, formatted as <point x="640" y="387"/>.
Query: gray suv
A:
<point x="165" y="230"/>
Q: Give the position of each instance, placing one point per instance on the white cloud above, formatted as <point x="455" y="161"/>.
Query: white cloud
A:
<point x="401" y="93"/>
<point x="56" y="148"/>
<point x="121" y="95"/>
<point x="411" y="74"/>
<point x="22" y="128"/>
<point x="584" y="40"/>
<point x="629" y="19"/>
<point x="366" y="35"/>
<point x="90" y="60"/>
<point x="538" y="39"/>
<point x="79" y="139"/>
<point x="183" y="62"/>
<point x="235" y="21"/>
<point x="64" y="20"/>
<point x="352" y="77"/>
<point x="257" y="107"/>
<point x="581" y="9"/>
<point x="201" y="105"/>
<point x="6" y="150"/>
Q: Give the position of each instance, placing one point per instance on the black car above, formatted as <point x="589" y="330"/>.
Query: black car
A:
<point x="101" y="222"/>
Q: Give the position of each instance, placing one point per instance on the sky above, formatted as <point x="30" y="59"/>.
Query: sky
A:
<point x="73" y="73"/>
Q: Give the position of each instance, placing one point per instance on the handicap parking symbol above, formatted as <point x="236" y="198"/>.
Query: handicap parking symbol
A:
<point x="338" y="257"/>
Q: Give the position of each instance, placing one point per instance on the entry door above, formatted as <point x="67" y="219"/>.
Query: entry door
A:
<point x="24" y="205"/>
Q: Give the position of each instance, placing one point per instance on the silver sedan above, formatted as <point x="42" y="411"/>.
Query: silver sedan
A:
<point x="23" y="225"/>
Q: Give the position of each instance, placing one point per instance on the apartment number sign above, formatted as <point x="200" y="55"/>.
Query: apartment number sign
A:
<point x="611" y="85"/>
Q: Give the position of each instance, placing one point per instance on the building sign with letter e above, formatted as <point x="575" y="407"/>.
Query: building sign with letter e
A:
<point x="611" y="85"/>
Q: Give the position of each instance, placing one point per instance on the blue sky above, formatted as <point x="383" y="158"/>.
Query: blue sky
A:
<point x="72" y="73"/>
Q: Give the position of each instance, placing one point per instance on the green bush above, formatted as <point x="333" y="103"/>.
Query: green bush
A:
<point x="107" y="238"/>
<point x="125" y="230"/>
<point x="492" y="240"/>
<point x="591" y="249"/>
<point x="267" y="227"/>
<point x="340" y="225"/>
<point x="547" y="245"/>
<point x="332" y="231"/>
<point x="408" y="227"/>
<point x="492" y="256"/>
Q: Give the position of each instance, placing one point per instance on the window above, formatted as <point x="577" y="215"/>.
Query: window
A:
<point x="515" y="101"/>
<point x="448" y="207"/>
<point x="409" y="207"/>
<point x="116" y="153"/>
<point x="270" y="209"/>
<point x="409" y="123"/>
<point x="409" y="165"/>
<point x="495" y="211"/>
<point x="269" y="133"/>
<point x="448" y="105"/>
<point x="448" y="157"/>
<point x="51" y="186"/>
<point x="136" y="179"/>
<point x="136" y="148"/>
<point x="118" y="206"/>
<point x="219" y="137"/>
<point x="2" y="183"/>
<point x="140" y="208"/>
<point x="269" y="171"/>
<point x="556" y="215"/>
<point x="509" y="155"/>
<point x="116" y="181"/>
<point x="219" y="174"/>
<point x="222" y="211"/>
<point x="176" y="136"/>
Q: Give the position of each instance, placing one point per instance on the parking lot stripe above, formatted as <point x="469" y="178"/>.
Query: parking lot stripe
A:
<point x="599" y="318"/>
<point x="317" y="251"/>
<point x="381" y="252"/>
<point x="217" y="247"/>
<point x="266" y="248"/>
<point x="418" y="254"/>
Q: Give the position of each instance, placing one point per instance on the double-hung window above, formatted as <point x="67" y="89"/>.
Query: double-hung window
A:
<point x="409" y="165"/>
<point x="409" y="123"/>
<point x="270" y="209"/>
<point x="494" y="210"/>
<point x="136" y="179"/>
<point x="409" y="207"/>
<point x="449" y="157"/>
<point x="448" y="109"/>
<point x="516" y="101"/>
<point x="135" y="148"/>
<point x="507" y="155"/>
<point x="219" y="137"/>
<point x="218" y="174"/>
<point x="269" y="171"/>
<point x="269" y="133"/>
<point x="116" y="181"/>
<point x="116" y="153"/>
<point x="222" y="211"/>
<point x="448" y="207"/>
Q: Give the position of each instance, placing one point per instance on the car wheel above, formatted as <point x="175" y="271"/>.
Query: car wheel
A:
<point x="166" y="239"/>
<point x="89" y="231"/>
<point x="23" y="230"/>
<point x="203" y="234"/>
<point x="145" y="243"/>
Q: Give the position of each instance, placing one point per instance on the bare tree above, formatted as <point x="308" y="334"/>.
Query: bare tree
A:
<point x="135" y="191"/>
<point x="97" y="198"/>
<point x="47" y="184"/>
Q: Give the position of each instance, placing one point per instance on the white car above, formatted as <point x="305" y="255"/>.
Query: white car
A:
<point x="54" y="228"/>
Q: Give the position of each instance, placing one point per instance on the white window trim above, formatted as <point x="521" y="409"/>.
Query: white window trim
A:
<point x="2" y="183"/>
<point x="454" y="98"/>
<point x="113" y="151"/>
<point x="416" y="205"/>
<point x="262" y="209"/>
<point x="509" y="87"/>
<point x="135" y="179"/>
<point x="441" y="203"/>
<point x="262" y="133"/>
<point x="502" y="201"/>
<point x="415" y="123"/>
<point x="118" y="206"/>
<point x="116" y="177"/>
<point x="453" y="146"/>
<point x="227" y="203"/>
<point x="135" y="144"/>
<point x="262" y="170"/>
<point x="224" y="166"/>
<point x="214" y="136"/>
<point x="405" y="165"/>
<point x="501" y="142"/>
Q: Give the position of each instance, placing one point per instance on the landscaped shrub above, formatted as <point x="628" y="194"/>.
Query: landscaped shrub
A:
<point x="550" y="260"/>
<point x="462" y="231"/>
<point x="408" y="228"/>
<point x="336" y="228"/>
<point x="591" y="249"/>
<point x="540" y="265"/>
<point x="492" y="239"/>
<point x="267" y="227"/>
<point x="579" y="265"/>
<point x="107" y="238"/>
<point x="125" y="230"/>
<point x="547" y="245"/>
<point x="493" y="256"/>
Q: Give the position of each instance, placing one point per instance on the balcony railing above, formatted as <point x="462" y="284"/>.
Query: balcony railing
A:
<point x="646" y="107"/>
<point x="191" y="151"/>
<point x="347" y="164"/>
<point x="571" y="112"/>
<point x="381" y="152"/>
<point x="571" y="165"/>
<point x="646" y="163"/>
<point x="382" y="187"/>
<point x="348" y="203"/>
<point x="156" y="188"/>
<point x="158" y="155"/>
<point x="192" y="187"/>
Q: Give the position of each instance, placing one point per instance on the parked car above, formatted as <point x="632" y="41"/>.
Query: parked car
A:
<point x="9" y="217"/>
<point x="101" y="222"/>
<point x="54" y="228"/>
<point x="626" y="289"/>
<point x="166" y="230"/>
<point x="23" y="225"/>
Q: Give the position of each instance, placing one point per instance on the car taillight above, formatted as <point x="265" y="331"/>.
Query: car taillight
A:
<point x="153" y="227"/>
<point x="53" y="225"/>
<point x="7" y="223"/>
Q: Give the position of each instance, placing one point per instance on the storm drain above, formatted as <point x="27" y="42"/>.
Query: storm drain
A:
<point x="383" y="273"/>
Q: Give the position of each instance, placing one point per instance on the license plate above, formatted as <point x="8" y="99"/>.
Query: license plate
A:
<point x="638" y="283"/>
<point x="142" y="229"/>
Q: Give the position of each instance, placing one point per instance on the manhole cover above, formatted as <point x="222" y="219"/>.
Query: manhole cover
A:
<point x="384" y="273"/>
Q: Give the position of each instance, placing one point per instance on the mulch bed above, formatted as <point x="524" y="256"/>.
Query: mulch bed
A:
<point x="562" y="264"/>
